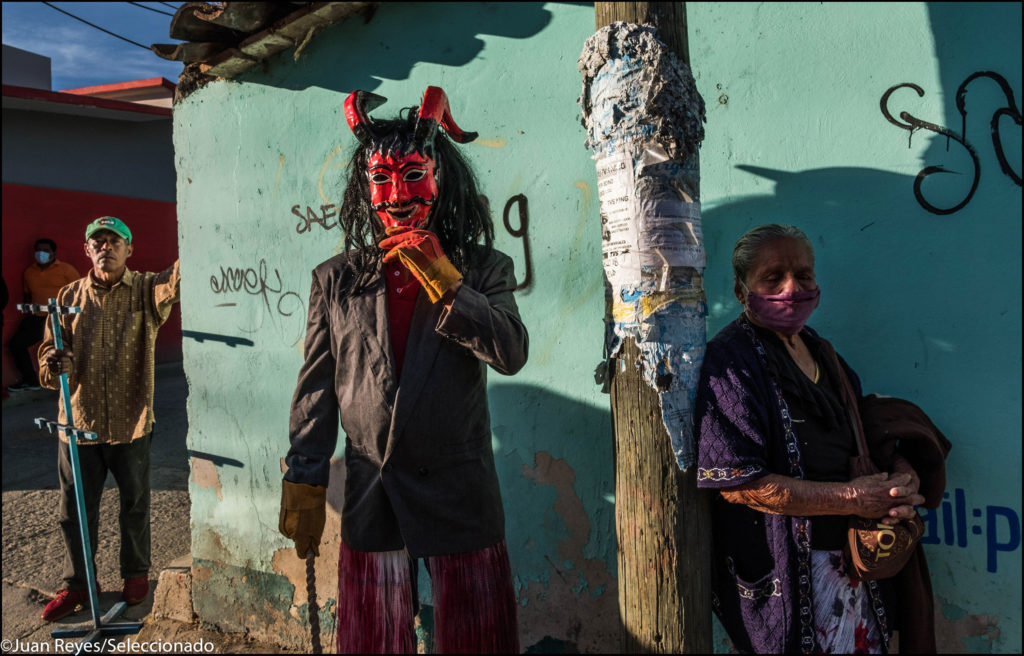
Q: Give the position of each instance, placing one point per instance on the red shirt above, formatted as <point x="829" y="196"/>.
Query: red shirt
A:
<point x="403" y="289"/>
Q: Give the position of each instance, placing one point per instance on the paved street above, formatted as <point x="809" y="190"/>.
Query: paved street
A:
<point x="32" y="546"/>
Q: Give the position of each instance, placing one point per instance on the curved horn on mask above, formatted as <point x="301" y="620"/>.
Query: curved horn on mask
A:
<point x="357" y="105"/>
<point x="434" y="110"/>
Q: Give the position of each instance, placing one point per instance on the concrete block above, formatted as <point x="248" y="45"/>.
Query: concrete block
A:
<point x="172" y="598"/>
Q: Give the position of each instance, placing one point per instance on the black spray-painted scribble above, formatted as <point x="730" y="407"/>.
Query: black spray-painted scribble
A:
<point x="1012" y="111"/>
<point x="912" y="123"/>
<point x="327" y="212"/>
<point x="522" y="232"/>
<point x="254" y="281"/>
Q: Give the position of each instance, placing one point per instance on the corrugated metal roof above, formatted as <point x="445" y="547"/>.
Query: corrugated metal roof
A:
<point x="224" y="39"/>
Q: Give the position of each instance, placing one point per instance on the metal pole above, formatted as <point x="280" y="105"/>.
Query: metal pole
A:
<point x="76" y="472"/>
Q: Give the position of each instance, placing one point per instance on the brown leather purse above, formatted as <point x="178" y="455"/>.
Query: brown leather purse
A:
<point x="873" y="550"/>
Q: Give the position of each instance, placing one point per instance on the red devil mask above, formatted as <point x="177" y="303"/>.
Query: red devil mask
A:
<point x="402" y="188"/>
<point x="401" y="164"/>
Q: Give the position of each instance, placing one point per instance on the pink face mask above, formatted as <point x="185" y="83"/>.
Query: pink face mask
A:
<point x="783" y="313"/>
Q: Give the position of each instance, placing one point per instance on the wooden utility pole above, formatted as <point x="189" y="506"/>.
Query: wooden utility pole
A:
<point x="662" y="520"/>
<point x="669" y="18"/>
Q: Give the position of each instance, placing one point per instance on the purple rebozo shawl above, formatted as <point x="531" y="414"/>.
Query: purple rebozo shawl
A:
<point x="760" y="562"/>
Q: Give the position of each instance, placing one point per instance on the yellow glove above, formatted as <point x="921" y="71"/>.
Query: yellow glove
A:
<point x="420" y="252"/>
<point x="303" y="514"/>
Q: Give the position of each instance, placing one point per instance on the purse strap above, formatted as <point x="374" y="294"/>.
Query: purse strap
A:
<point x="852" y="409"/>
<point x="853" y="413"/>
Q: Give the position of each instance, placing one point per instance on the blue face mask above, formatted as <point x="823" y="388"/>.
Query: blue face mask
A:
<point x="43" y="257"/>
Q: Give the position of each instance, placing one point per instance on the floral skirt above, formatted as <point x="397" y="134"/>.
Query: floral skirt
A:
<point x="844" y="622"/>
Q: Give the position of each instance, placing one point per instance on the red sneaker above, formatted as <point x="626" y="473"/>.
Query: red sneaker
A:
<point x="135" y="590"/>
<point x="65" y="603"/>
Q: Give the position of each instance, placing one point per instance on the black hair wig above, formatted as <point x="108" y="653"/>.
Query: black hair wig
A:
<point x="459" y="217"/>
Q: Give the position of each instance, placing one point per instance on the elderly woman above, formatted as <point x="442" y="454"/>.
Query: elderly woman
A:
<point x="774" y="439"/>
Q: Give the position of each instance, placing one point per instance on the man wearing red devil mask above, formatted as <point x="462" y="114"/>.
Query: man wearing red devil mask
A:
<point x="401" y="326"/>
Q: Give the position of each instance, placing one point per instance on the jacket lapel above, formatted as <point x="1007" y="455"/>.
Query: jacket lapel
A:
<point x="371" y="315"/>
<point x="420" y="353"/>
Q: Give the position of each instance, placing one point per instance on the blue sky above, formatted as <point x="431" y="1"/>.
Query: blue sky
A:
<point x="84" y="56"/>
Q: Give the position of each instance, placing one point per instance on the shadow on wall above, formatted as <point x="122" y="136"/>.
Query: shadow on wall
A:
<point x="857" y="199"/>
<point x="978" y="54"/>
<point x="549" y="443"/>
<point x="884" y="241"/>
<point x="581" y="432"/>
<point x="969" y="40"/>
<point x="423" y="33"/>
<point x="528" y="420"/>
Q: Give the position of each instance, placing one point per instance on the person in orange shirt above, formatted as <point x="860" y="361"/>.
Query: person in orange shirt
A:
<point x="40" y="282"/>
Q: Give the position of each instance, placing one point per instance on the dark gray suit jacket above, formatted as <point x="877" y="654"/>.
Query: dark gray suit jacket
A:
<point x="419" y="465"/>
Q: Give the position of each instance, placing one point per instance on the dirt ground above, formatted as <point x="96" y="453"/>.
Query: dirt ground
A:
<point x="33" y="551"/>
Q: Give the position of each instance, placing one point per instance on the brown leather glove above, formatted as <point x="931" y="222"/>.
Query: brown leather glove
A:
<point x="303" y="514"/>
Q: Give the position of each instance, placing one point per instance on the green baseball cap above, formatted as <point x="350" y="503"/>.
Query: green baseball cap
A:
<point x="111" y="223"/>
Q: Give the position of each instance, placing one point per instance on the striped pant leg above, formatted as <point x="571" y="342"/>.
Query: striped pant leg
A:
<point x="474" y="603"/>
<point x="375" y="602"/>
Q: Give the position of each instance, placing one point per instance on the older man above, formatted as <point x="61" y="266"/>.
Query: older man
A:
<point x="109" y="358"/>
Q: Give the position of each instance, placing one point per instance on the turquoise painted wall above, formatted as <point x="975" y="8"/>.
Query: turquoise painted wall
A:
<point x="251" y="153"/>
<point x="923" y="306"/>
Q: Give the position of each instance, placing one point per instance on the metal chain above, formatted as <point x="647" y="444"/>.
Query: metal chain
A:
<point x="314" y="609"/>
<point x="801" y="524"/>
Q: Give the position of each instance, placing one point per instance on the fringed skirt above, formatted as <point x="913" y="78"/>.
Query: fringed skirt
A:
<point x="843" y="618"/>
<point x="474" y="602"/>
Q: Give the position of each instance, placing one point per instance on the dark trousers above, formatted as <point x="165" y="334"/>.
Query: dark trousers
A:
<point x="29" y="331"/>
<point x="129" y="463"/>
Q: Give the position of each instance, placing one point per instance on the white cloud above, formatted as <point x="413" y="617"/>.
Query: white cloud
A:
<point x="80" y="55"/>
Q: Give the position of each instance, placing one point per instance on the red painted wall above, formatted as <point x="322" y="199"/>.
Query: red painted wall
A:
<point x="30" y="213"/>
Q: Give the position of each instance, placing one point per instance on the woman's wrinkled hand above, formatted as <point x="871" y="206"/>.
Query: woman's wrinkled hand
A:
<point x="910" y="490"/>
<point x="888" y="496"/>
<point x="899" y="513"/>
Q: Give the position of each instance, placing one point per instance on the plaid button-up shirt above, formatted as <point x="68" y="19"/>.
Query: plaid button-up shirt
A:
<point x="112" y="343"/>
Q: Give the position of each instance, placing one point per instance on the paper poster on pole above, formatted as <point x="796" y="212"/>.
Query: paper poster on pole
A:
<point x="670" y="233"/>
<point x="619" y="244"/>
